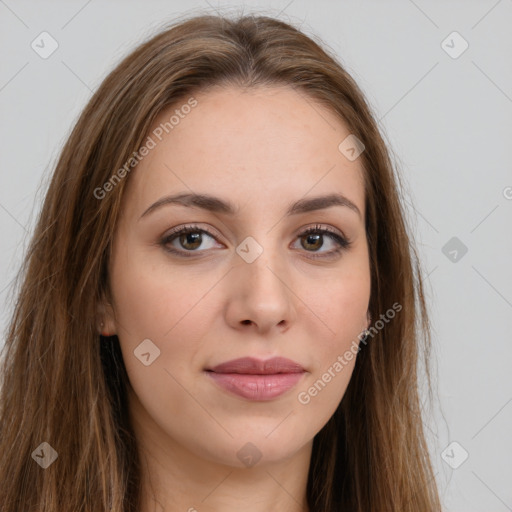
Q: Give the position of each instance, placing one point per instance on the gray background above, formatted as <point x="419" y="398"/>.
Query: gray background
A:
<point x="448" y="121"/>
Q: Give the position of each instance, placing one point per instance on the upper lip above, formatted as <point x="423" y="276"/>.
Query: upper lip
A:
<point x="253" y="366"/>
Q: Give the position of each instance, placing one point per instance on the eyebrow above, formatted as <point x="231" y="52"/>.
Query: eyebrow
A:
<point x="217" y="205"/>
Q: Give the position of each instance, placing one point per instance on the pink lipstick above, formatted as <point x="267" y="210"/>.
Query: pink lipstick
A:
<point x="254" y="379"/>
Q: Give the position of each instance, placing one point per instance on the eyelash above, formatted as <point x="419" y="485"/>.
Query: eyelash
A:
<point x="342" y="242"/>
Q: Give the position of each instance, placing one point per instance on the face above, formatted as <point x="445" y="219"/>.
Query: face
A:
<point x="247" y="283"/>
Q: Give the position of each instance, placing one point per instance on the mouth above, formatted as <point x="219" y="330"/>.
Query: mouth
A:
<point x="253" y="366"/>
<point x="254" y="379"/>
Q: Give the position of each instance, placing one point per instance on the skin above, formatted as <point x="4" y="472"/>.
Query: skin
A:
<point x="261" y="149"/>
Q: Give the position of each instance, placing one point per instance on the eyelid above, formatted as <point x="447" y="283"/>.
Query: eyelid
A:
<point x="321" y="227"/>
<point x="191" y="227"/>
<point x="300" y="231"/>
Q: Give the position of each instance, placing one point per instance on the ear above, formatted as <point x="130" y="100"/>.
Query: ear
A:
<point x="369" y="319"/>
<point x="106" y="324"/>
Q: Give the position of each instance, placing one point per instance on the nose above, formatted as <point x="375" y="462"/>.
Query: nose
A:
<point x="260" y="296"/>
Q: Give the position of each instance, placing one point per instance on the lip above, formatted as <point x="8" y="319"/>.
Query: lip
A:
<point x="253" y="366"/>
<point x="255" y="379"/>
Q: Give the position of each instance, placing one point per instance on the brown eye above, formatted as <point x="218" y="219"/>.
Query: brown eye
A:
<point x="191" y="240"/>
<point x="312" y="242"/>
<point x="313" y="238"/>
<point x="188" y="241"/>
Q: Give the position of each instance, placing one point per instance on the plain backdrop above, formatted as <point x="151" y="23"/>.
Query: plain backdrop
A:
<point x="438" y="76"/>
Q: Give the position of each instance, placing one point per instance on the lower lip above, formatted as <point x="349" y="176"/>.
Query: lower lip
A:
<point x="256" y="387"/>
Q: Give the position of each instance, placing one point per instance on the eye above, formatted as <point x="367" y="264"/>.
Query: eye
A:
<point x="186" y="240"/>
<point x="312" y="239"/>
<point x="189" y="238"/>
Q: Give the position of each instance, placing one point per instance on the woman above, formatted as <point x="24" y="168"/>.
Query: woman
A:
<point x="219" y="305"/>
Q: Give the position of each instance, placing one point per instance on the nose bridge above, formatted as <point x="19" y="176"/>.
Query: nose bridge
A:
<point x="261" y="281"/>
<point x="261" y="265"/>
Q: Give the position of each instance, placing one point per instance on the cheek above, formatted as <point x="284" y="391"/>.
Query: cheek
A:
<point x="344" y="318"/>
<point x="152" y="301"/>
<point x="171" y="309"/>
<point x="333" y="360"/>
<point x="341" y="304"/>
<point x="157" y="314"/>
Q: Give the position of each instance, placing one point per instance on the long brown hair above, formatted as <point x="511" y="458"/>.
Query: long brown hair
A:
<point x="64" y="385"/>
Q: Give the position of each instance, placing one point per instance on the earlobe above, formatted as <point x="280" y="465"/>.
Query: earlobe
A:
<point x="106" y="325"/>
<point x="102" y="330"/>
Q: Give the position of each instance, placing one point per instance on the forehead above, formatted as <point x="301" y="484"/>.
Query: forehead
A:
<point x="262" y="143"/>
